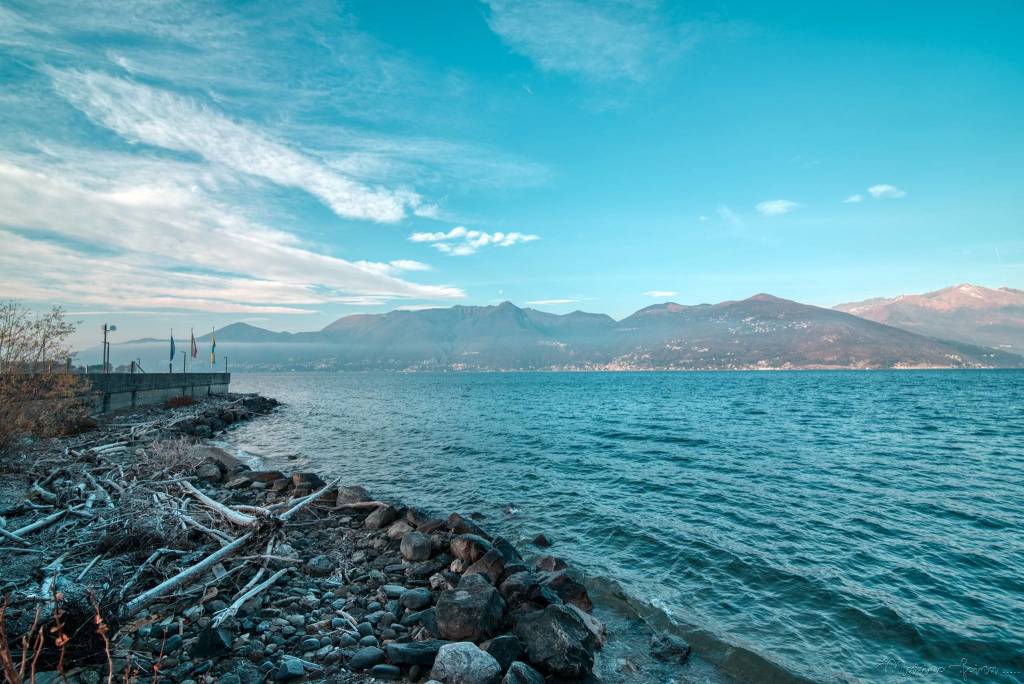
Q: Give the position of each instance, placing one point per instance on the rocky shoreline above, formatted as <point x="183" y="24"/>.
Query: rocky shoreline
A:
<point x="200" y="569"/>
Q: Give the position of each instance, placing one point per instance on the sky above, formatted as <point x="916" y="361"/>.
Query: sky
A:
<point x="188" y="165"/>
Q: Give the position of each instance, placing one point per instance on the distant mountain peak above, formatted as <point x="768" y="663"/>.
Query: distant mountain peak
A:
<point x="965" y="312"/>
<point x="765" y="297"/>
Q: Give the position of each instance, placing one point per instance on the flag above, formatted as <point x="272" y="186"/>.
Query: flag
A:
<point x="195" y="348"/>
<point x="172" y="345"/>
<point x="213" y="349"/>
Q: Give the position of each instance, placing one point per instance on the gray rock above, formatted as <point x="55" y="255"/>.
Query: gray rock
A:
<point x="470" y="612"/>
<point x="469" y="547"/>
<point x="542" y="541"/>
<point x="670" y="647"/>
<point x="508" y="552"/>
<point x="399" y="529"/>
<point x="416" y="599"/>
<point x="568" y="590"/>
<point x="416" y="546"/>
<point x="414" y="652"/>
<point x="464" y="663"/>
<point x="521" y="673"/>
<point x="290" y="668"/>
<point x="319" y="566"/>
<point x="550" y="563"/>
<point x="386" y="672"/>
<point x="347" y="495"/>
<point x="460" y="524"/>
<point x="491" y="566"/>
<point x="212" y="643"/>
<point x="557" y="641"/>
<point x="311" y="644"/>
<point x="369" y="640"/>
<point x="208" y="471"/>
<point x="393" y="590"/>
<point x="365" y="658"/>
<point x="595" y="626"/>
<point x="381" y="518"/>
<point x="506" y="649"/>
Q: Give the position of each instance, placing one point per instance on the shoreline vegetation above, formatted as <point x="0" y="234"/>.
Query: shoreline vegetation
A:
<point x="137" y="551"/>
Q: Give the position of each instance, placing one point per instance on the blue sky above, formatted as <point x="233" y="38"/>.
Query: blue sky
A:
<point x="194" y="164"/>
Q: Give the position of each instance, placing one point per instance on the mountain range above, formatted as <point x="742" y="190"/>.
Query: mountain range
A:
<point x="760" y="332"/>
<point x="966" y="313"/>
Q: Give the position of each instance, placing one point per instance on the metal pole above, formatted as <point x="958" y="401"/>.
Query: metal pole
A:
<point x="183" y="356"/>
<point x="104" y="362"/>
<point x="225" y="363"/>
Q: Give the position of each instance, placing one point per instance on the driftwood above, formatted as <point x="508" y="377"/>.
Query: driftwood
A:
<point x="240" y="519"/>
<point x="231" y="610"/>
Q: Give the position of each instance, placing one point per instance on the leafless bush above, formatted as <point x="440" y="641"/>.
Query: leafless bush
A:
<point x="180" y="401"/>
<point x="37" y="395"/>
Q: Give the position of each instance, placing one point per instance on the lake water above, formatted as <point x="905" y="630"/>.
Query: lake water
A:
<point x="827" y="526"/>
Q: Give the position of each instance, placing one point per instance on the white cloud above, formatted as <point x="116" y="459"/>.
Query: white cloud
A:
<point x="156" y="224"/>
<point x="551" y="302"/>
<point x="854" y="199"/>
<point x="462" y="242"/>
<point x="703" y="218"/>
<point x="410" y="265"/>
<point x="885" y="191"/>
<point x="659" y="294"/>
<point x="598" y="40"/>
<point x="143" y="114"/>
<point x="776" y="207"/>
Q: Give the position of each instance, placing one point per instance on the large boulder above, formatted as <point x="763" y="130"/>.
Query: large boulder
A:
<point x="469" y="547"/>
<point x="557" y="641"/>
<point x="506" y="649"/>
<point x="568" y="590"/>
<point x="348" y="495"/>
<point x="491" y="565"/>
<point x="470" y="612"/>
<point x="381" y="517"/>
<point x="508" y="552"/>
<point x="521" y="673"/>
<point x="416" y="546"/>
<point x="460" y="524"/>
<point x="464" y="663"/>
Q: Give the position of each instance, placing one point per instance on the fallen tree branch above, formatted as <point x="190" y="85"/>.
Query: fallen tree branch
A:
<point x="241" y="519"/>
<point x="240" y="601"/>
<point x="144" y="599"/>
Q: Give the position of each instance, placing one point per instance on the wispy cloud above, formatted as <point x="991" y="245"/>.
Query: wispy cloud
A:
<point x="854" y="199"/>
<point x="551" y="302"/>
<point x="885" y="191"/>
<point x="156" y="223"/>
<point x="410" y="265"/>
<point x="776" y="207"/>
<point x="729" y="216"/>
<point x="659" y="294"/>
<point x="462" y="242"/>
<point x="143" y="114"/>
<point x="598" y="40"/>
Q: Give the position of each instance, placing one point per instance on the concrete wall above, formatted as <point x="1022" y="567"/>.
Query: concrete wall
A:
<point x="114" y="391"/>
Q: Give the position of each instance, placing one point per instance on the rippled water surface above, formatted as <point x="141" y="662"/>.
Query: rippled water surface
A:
<point x="834" y="526"/>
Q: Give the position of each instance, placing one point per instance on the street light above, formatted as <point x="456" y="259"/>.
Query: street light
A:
<point x="106" y="345"/>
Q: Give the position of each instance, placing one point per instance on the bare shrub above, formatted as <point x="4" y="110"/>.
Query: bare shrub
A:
<point x="37" y="395"/>
<point x="180" y="401"/>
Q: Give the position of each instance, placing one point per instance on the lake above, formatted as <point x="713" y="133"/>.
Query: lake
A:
<point x="824" y="526"/>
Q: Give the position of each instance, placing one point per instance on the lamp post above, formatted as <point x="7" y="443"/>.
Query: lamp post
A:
<point x="225" y="363"/>
<point x="106" y="345"/>
<point x="183" y="357"/>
